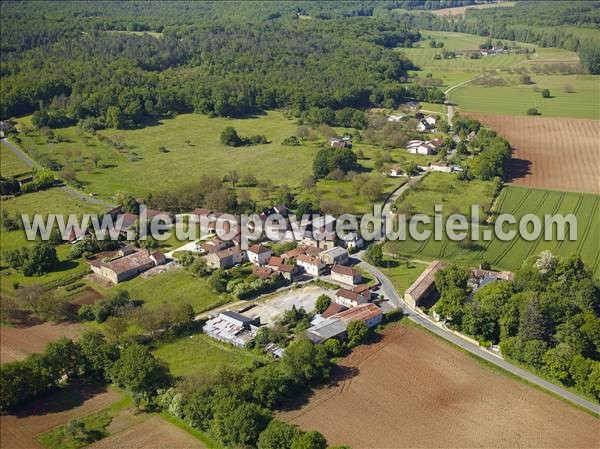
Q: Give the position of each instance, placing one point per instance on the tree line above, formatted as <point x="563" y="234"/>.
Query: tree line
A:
<point x="547" y="319"/>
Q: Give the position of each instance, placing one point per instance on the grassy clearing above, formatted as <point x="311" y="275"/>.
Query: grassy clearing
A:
<point x="515" y="99"/>
<point x="174" y="286"/>
<point x="96" y="424"/>
<point x="192" y="150"/>
<point x="10" y="164"/>
<point x="402" y="272"/>
<point x="201" y="355"/>
<point x="511" y="254"/>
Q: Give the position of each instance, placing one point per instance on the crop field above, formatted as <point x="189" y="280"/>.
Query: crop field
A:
<point x="511" y="254"/>
<point x="191" y="149"/>
<point x="154" y="432"/>
<point x="201" y="355"/>
<point x="575" y="96"/>
<point x="561" y="154"/>
<point x="460" y="10"/>
<point x="16" y="343"/>
<point x="17" y="431"/>
<point x="412" y="389"/>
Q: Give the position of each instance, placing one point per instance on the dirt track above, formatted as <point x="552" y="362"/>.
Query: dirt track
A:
<point x="550" y="153"/>
<point x="18" y="430"/>
<point x="16" y="343"/>
<point x="414" y="390"/>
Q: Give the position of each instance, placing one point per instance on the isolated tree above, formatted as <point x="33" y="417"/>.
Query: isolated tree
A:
<point x="357" y="332"/>
<point x="546" y="93"/>
<point x="229" y="137"/>
<point x="233" y="177"/>
<point x="375" y="255"/>
<point x="139" y="371"/>
<point x="323" y="302"/>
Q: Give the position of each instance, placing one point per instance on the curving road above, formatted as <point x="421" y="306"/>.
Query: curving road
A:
<point x="68" y="189"/>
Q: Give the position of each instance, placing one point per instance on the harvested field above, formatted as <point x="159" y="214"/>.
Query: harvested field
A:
<point x="460" y="10"/>
<point x="153" y="433"/>
<point x="414" y="390"/>
<point x="19" y="429"/>
<point x="16" y="343"/>
<point x="550" y="153"/>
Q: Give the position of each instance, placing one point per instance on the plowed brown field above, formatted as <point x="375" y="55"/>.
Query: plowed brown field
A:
<point x="550" y="153"/>
<point x="412" y="389"/>
<point x="16" y="343"/>
<point x="153" y="433"/>
<point x="18" y="430"/>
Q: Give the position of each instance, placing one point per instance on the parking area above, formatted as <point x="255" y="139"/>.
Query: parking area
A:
<point x="306" y="297"/>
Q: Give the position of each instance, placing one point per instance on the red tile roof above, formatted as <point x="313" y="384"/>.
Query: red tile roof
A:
<point x="344" y="270"/>
<point x="349" y="294"/>
<point x="333" y="309"/>
<point x="363" y="312"/>
<point x="259" y="249"/>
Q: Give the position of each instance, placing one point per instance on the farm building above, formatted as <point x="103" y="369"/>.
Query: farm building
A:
<point x="231" y="327"/>
<point x="259" y="254"/>
<point x="312" y="265"/>
<point x="226" y="258"/>
<point x="329" y="328"/>
<point x="335" y="255"/>
<point x="395" y="117"/>
<point x="346" y="275"/>
<point x="424" y="285"/>
<point x="395" y="170"/>
<point x="370" y="314"/>
<point x="215" y="245"/>
<point x="334" y="308"/>
<point x="350" y="298"/>
<point x="443" y="167"/>
<point x="127" y="265"/>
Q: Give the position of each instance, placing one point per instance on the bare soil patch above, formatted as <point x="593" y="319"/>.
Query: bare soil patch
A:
<point x="412" y="389"/>
<point x="87" y="296"/>
<point x="18" y="430"/>
<point x="550" y="153"/>
<point x="460" y="10"/>
<point x="16" y="343"/>
<point x="153" y="433"/>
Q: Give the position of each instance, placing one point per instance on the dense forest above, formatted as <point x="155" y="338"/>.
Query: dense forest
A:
<point x="572" y="25"/>
<point x="89" y="62"/>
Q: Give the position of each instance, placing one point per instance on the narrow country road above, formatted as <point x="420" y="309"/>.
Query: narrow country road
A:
<point x="70" y="190"/>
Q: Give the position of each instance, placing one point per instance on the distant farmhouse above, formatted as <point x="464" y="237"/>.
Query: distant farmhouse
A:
<point x="129" y="263"/>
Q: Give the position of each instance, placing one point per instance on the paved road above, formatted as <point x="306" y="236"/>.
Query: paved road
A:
<point x="68" y="189"/>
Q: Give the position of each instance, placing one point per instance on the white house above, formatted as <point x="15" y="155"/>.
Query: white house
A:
<point x="412" y="146"/>
<point x="259" y="254"/>
<point x="353" y="240"/>
<point x="349" y="298"/>
<point x="312" y="265"/>
<point x="441" y="167"/>
<point x="395" y="171"/>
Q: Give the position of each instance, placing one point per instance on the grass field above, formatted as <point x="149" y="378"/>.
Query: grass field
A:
<point x="193" y="149"/>
<point x="402" y="273"/>
<point x="511" y="254"/>
<point x="173" y="286"/>
<point x="516" y="99"/>
<point x="10" y="164"/>
<point x="201" y="355"/>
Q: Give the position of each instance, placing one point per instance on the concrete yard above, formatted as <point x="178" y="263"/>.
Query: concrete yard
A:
<point x="305" y="297"/>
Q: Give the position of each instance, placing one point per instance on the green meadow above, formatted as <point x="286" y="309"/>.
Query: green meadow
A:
<point x="191" y="149"/>
<point x="571" y="96"/>
<point x="200" y="355"/>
